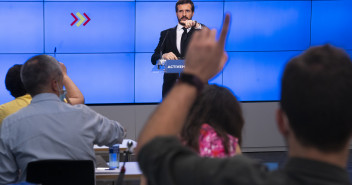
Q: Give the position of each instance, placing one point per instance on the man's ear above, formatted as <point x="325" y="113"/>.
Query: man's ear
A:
<point x="282" y="122"/>
<point x="54" y="86"/>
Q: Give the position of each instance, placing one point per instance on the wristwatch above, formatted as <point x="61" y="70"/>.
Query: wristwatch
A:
<point x="192" y="80"/>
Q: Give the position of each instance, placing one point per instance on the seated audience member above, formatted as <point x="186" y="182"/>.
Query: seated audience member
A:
<point x="214" y="124"/>
<point x="14" y="84"/>
<point x="315" y="117"/>
<point x="48" y="128"/>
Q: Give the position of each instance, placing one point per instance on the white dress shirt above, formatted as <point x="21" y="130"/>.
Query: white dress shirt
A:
<point x="50" y="129"/>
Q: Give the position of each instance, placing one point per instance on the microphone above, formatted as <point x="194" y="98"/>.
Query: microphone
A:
<point x="129" y="145"/>
<point x="161" y="60"/>
<point x="162" y="44"/>
<point x="119" y="180"/>
<point x="55" y="52"/>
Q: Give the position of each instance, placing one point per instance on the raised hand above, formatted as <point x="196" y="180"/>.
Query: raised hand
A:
<point x="206" y="56"/>
<point x="63" y="68"/>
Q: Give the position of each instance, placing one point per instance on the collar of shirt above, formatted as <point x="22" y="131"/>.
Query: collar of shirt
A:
<point x="45" y="97"/>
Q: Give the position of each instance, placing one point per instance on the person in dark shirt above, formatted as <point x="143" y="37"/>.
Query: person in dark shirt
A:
<point x="315" y="118"/>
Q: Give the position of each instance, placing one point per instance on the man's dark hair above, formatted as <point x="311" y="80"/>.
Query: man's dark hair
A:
<point x="219" y="108"/>
<point x="184" y="2"/>
<point x="13" y="81"/>
<point x="316" y="96"/>
<point x="37" y="73"/>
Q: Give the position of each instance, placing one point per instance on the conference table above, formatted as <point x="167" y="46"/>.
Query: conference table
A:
<point x="132" y="173"/>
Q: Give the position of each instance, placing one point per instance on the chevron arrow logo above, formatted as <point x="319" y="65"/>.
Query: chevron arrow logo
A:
<point x="88" y="19"/>
<point x="81" y="19"/>
<point x="73" y="15"/>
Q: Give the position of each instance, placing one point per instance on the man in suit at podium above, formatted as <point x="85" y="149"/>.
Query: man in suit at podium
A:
<point x="173" y="42"/>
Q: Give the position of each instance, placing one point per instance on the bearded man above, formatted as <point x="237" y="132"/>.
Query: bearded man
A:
<point x="173" y="42"/>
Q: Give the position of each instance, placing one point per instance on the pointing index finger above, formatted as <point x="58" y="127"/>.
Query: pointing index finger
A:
<point x="225" y="28"/>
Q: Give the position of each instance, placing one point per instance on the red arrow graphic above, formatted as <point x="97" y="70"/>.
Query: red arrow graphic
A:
<point x="88" y="19"/>
<point x="74" y="20"/>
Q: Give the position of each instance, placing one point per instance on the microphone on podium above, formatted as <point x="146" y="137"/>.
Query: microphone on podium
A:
<point x="161" y="61"/>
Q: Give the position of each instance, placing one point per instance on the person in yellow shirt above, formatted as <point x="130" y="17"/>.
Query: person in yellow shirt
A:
<point x="14" y="84"/>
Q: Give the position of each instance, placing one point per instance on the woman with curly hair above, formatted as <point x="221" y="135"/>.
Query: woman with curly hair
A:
<point x="214" y="125"/>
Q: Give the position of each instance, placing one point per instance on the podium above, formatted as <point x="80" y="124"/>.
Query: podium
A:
<point x="169" y="66"/>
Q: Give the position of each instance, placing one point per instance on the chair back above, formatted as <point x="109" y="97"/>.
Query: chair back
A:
<point x="55" y="172"/>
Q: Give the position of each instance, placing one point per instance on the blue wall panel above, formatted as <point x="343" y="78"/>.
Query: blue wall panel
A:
<point x="111" y="28"/>
<point x="85" y="0"/>
<point x="148" y="83"/>
<point x="174" y="2"/>
<point x="269" y="25"/>
<point x="255" y="76"/>
<point x="102" y="78"/>
<point x="331" y="23"/>
<point x="151" y="19"/>
<point x="21" y="27"/>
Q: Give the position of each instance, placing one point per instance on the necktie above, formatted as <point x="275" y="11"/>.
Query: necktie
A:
<point x="183" y="41"/>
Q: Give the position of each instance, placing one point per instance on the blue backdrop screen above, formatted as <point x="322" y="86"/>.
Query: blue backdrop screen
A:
<point x="107" y="45"/>
<point x="268" y="26"/>
<point x="21" y="27"/>
<point x="111" y="28"/>
<point x="110" y="77"/>
<point x="255" y="76"/>
<point x="331" y="23"/>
